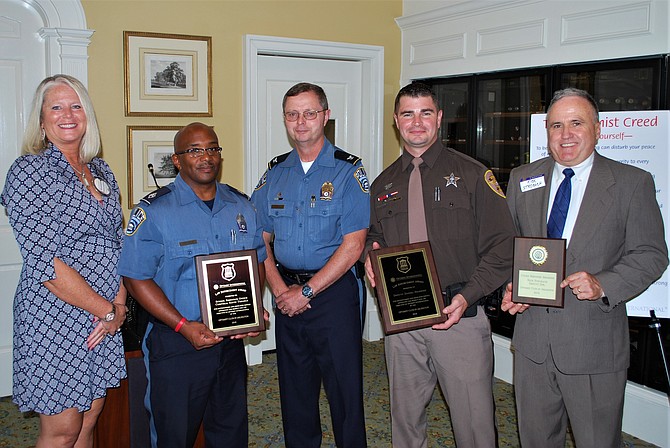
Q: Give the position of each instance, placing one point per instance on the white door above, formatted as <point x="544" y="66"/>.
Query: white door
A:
<point x="342" y="82"/>
<point x="22" y="67"/>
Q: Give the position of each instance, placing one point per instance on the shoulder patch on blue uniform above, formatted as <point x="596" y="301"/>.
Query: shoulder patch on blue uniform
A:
<point x="343" y="155"/>
<point x="148" y="199"/>
<point x="277" y="160"/>
<point x="261" y="181"/>
<point x="241" y="193"/>
<point x="362" y="179"/>
<point x="137" y="217"/>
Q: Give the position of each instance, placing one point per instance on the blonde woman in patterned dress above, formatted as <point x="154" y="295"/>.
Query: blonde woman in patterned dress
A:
<point x="63" y="205"/>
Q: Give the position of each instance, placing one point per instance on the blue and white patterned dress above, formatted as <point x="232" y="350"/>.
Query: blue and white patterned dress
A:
<point x="53" y="215"/>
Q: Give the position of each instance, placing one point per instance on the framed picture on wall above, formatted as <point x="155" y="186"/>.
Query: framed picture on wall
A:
<point x="167" y="75"/>
<point x="150" y="166"/>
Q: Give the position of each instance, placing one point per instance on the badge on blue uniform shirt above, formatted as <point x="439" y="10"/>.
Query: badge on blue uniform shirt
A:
<point x="241" y="223"/>
<point x="327" y="191"/>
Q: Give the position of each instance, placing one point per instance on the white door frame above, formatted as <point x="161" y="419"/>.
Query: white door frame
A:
<point x="65" y="35"/>
<point x="372" y="61"/>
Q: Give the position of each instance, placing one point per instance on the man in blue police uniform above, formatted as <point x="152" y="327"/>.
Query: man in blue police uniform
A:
<point x="194" y="375"/>
<point x="313" y="205"/>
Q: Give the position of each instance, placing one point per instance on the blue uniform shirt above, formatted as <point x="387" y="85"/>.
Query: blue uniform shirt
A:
<point x="172" y="225"/>
<point x="310" y="213"/>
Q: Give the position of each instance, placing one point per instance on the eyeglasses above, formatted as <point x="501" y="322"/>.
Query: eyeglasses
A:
<point x="307" y="114"/>
<point x="195" y="153"/>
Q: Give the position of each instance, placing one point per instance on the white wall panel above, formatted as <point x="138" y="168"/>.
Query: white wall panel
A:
<point x="515" y="37"/>
<point x="611" y="23"/>
<point x="436" y="50"/>
<point x="511" y="34"/>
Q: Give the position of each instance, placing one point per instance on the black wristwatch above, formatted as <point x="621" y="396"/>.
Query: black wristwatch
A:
<point x="111" y="315"/>
<point x="307" y="291"/>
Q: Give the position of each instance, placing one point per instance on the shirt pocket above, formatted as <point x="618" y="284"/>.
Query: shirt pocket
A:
<point x="180" y="256"/>
<point x="392" y="216"/>
<point x="281" y="213"/>
<point x="323" y="221"/>
<point x="452" y="217"/>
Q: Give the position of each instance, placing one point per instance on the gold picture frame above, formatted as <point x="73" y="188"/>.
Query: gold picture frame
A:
<point x="149" y="145"/>
<point x="167" y="75"/>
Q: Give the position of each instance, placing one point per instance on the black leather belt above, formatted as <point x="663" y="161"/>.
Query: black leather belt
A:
<point x="300" y="277"/>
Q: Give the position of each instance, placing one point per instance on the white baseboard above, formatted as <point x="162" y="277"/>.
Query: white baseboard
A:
<point x="646" y="412"/>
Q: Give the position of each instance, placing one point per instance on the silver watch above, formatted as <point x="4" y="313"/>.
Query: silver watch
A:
<point x="111" y="315"/>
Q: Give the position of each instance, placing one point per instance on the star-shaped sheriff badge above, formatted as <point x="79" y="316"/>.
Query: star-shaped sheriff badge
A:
<point x="451" y="180"/>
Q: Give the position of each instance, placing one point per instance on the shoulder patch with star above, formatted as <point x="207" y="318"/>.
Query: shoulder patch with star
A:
<point x="492" y="182"/>
<point x="238" y="192"/>
<point x="277" y="160"/>
<point x="151" y="197"/>
<point x="345" y="156"/>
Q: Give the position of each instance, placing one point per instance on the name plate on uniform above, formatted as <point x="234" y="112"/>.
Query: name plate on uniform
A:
<point x="229" y="287"/>
<point x="407" y="287"/>
<point x="539" y="269"/>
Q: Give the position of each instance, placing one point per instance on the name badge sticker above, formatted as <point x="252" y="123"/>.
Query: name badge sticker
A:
<point x="532" y="183"/>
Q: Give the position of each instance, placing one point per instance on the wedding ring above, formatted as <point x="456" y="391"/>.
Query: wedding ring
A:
<point x="579" y="291"/>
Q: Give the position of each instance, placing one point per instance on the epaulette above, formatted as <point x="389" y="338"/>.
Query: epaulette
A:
<point x="345" y="156"/>
<point x="277" y="160"/>
<point x="148" y="199"/>
<point x="241" y="193"/>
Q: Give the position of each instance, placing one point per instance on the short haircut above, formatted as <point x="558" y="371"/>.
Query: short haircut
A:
<point x="178" y="135"/>
<point x="303" y="87"/>
<point x="571" y="91"/>
<point x="415" y="90"/>
<point x="33" y="143"/>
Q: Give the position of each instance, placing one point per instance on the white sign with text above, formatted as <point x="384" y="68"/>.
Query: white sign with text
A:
<point x="641" y="139"/>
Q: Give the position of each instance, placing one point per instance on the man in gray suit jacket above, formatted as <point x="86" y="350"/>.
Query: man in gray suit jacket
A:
<point x="571" y="362"/>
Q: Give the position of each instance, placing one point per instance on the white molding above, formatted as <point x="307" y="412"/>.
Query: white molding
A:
<point x="459" y="11"/>
<point x="65" y="35"/>
<point x="67" y="51"/>
<point x="59" y="13"/>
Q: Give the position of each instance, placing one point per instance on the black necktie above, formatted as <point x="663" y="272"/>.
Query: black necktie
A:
<point x="559" y="211"/>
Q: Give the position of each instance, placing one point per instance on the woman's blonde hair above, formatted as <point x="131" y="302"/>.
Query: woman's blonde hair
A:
<point x="34" y="141"/>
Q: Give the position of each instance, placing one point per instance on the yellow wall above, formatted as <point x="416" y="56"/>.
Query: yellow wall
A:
<point x="227" y="21"/>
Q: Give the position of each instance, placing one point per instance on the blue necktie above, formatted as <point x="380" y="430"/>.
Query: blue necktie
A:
<point x="559" y="211"/>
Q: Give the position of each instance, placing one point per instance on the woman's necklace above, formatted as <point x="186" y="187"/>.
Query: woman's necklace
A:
<point x="82" y="174"/>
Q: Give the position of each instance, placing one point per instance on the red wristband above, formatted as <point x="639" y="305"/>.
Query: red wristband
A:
<point x="179" y="325"/>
